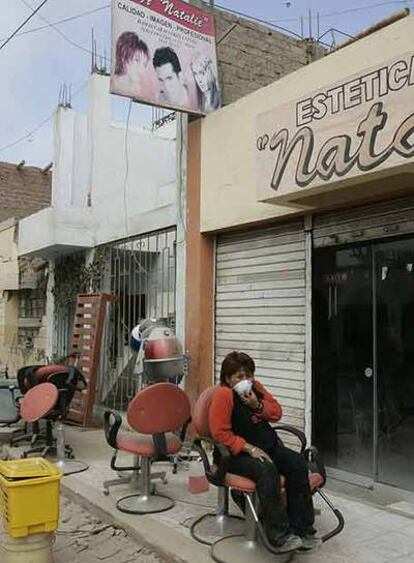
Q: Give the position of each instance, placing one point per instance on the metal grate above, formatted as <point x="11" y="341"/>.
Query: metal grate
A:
<point x="141" y="273"/>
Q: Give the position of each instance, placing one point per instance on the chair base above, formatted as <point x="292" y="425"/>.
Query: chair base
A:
<point x="144" y="504"/>
<point x="114" y="482"/>
<point x="242" y="550"/>
<point x="71" y="466"/>
<point x="210" y="527"/>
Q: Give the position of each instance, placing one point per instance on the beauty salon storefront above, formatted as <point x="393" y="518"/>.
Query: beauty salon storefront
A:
<point x="307" y="189"/>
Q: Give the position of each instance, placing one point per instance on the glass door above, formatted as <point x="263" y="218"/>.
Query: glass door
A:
<point x="343" y="391"/>
<point x="363" y="359"/>
<point x="394" y="281"/>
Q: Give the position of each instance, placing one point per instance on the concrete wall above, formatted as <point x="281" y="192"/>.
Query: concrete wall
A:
<point x="132" y="182"/>
<point x="107" y="184"/>
<point x="228" y="181"/>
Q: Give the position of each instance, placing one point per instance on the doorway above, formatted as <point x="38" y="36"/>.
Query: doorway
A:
<point x="363" y="359"/>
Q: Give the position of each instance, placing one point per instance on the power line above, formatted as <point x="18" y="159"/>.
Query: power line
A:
<point x="63" y="35"/>
<point x="363" y="8"/>
<point x="41" y="124"/>
<point x="275" y="22"/>
<point x="60" y="22"/>
<point x="16" y="31"/>
<point x="259" y="20"/>
<point x="125" y="185"/>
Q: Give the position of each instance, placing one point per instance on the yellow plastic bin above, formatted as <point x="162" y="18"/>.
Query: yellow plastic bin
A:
<point x="29" y="499"/>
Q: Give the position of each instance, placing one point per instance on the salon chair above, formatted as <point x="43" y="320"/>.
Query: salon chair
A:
<point x="28" y="377"/>
<point x="34" y="407"/>
<point x="252" y="543"/>
<point x="155" y="414"/>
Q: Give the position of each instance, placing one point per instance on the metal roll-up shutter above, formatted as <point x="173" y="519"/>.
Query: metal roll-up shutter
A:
<point x="369" y="222"/>
<point x="260" y="308"/>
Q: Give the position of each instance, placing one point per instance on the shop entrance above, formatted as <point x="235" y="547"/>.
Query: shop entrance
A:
<point x="363" y="359"/>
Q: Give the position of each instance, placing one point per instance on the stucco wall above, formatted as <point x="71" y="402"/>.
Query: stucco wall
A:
<point x="132" y="182"/>
<point x="107" y="184"/>
<point x="228" y="184"/>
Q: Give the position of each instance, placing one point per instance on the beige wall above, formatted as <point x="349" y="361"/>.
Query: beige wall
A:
<point x="13" y="351"/>
<point x="9" y="266"/>
<point x="228" y="180"/>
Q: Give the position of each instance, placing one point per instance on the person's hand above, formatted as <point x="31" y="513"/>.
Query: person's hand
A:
<point x="250" y="400"/>
<point x="257" y="453"/>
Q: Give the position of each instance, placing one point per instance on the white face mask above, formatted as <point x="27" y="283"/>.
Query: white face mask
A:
<point x="243" y="386"/>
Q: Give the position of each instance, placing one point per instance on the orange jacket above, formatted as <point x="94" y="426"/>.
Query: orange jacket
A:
<point x="221" y="410"/>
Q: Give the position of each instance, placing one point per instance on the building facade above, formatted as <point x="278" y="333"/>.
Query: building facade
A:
<point x="302" y="240"/>
<point x="117" y="219"/>
<point x="23" y="191"/>
<point x="111" y="227"/>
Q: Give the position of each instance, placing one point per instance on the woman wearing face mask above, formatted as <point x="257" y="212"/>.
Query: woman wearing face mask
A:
<point x="239" y="417"/>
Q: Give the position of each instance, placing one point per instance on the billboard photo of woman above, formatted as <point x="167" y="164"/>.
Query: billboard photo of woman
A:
<point x="208" y="94"/>
<point x="131" y="65"/>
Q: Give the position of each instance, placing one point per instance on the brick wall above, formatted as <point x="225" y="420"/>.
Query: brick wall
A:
<point x="24" y="191"/>
<point x="251" y="55"/>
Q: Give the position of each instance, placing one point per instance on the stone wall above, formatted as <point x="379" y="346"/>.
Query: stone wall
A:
<point x="251" y="55"/>
<point x="23" y="191"/>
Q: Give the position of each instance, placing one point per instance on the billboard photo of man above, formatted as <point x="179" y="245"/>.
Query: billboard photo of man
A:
<point x="167" y="66"/>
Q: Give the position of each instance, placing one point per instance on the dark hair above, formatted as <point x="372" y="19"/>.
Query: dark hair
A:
<point x="233" y="362"/>
<point x="126" y="46"/>
<point x="165" y="55"/>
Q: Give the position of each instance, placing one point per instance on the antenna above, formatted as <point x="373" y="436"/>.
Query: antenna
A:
<point x="310" y="24"/>
<point x="93" y="52"/>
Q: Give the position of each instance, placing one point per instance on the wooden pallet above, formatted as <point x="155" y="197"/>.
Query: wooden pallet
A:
<point x="86" y="345"/>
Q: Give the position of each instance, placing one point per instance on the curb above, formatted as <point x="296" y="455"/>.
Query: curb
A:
<point x="147" y="530"/>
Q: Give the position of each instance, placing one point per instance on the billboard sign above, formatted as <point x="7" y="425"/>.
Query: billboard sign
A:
<point x="164" y="54"/>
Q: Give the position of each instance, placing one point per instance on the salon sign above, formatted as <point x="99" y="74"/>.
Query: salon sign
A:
<point x="164" y="54"/>
<point x="333" y="137"/>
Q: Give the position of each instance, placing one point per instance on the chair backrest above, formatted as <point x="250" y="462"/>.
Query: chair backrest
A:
<point x="29" y="376"/>
<point x="162" y="407"/>
<point x="8" y="408"/>
<point x="200" y="413"/>
<point x="43" y="372"/>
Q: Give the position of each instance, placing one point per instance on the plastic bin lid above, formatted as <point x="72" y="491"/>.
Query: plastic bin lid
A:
<point x="29" y="468"/>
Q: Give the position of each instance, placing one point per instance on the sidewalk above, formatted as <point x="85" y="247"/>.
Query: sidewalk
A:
<point x="372" y="533"/>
